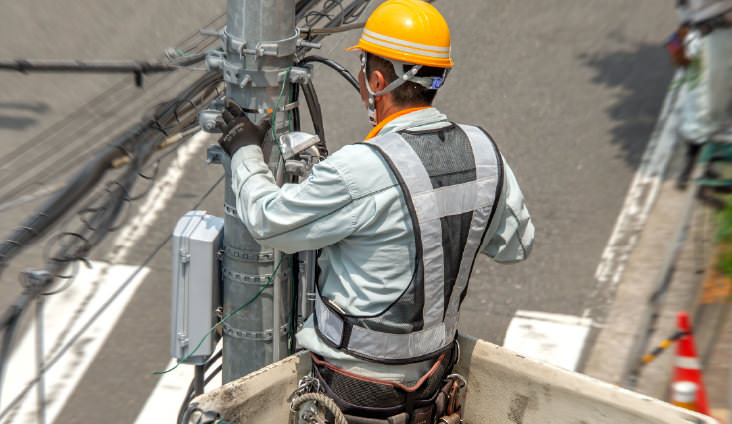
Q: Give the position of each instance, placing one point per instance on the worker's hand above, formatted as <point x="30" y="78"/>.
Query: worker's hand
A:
<point x="238" y="130"/>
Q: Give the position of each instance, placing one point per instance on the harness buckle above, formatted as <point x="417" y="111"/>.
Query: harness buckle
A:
<point x="456" y="395"/>
<point x="307" y="384"/>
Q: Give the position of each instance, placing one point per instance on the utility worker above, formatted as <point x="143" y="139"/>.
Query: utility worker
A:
<point x="400" y="218"/>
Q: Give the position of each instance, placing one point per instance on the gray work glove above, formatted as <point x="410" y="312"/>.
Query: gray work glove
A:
<point x="238" y="130"/>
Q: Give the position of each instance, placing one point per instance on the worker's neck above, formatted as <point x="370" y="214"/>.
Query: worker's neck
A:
<point x="388" y="108"/>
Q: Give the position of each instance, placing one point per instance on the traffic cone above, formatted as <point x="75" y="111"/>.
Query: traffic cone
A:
<point x="683" y="394"/>
<point x="687" y="367"/>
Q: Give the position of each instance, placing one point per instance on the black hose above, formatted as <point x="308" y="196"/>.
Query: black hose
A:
<point x="333" y="65"/>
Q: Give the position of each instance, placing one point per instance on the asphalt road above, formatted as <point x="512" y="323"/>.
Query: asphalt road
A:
<point x="569" y="89"/>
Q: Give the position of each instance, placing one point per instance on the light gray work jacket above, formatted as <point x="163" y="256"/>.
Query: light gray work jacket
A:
<point x="351" y="206"/>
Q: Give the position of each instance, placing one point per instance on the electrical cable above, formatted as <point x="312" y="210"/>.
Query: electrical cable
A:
<point x="83" y="181"/>
<point x="122" y="193"/>
<point x="345" y="73"/>
<point x="96" y="66"/>
<point x="77" y="251"/>
<point x="99" y="311"/>
<point x="190" y="392"/>
<point x="82" y="136"/>
<point x="316" y="114"/>
<point x="110" y="103"/>
<point x="335" y="30"/>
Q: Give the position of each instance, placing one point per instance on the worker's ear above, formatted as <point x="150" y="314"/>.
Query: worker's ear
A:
<point x="378" y="82"/>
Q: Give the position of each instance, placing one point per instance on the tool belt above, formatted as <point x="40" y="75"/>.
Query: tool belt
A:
<point x="366" y="400"/>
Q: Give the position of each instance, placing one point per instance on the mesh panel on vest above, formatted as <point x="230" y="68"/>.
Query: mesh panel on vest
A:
<point x="409" y="316"/>
<point x="447" y="155"/>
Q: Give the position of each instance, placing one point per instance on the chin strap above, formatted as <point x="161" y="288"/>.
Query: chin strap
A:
<point x="432" y="83"/>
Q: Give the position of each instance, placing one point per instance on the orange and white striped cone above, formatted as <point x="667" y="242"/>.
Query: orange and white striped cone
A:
<point x="687" y="367"/>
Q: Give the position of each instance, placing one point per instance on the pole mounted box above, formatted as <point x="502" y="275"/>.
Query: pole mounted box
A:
<point x="196" y="293"/>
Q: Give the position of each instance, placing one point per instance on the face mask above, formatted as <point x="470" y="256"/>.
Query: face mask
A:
<point x="371" y="112"/>
<point x="371" y="106"/>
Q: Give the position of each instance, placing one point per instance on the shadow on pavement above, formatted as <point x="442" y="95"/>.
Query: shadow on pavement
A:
<point x="641" y="75"/>
<point x="16" y="123"/>
<point x="20" y="123"/>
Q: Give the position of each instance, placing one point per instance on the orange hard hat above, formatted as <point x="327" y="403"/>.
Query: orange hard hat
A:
<point x="409" y="31"/>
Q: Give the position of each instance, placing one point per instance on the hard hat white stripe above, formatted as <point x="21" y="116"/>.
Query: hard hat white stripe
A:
<point x="405" y="42"/>
<point x="403" y="48"/>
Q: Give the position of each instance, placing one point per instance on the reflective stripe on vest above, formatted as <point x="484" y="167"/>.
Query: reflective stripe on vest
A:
<point x="430" y="205"/>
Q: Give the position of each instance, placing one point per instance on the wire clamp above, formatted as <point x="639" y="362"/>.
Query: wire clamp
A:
<point x="298" y="75"/>
<point x="240" y="277"/>
<point x="265" y="335"/>
<point x="279" y="48"/>
<point x="249" y="256"/>
<point x="230" y="210"/>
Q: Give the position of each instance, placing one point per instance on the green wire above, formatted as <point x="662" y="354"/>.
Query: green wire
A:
<point x="274" y="115"/>
<point x="224" y="319"/>
<point x="274" y="272"/>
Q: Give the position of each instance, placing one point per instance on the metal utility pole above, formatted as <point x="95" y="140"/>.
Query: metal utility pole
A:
<point x="260" y="40"/>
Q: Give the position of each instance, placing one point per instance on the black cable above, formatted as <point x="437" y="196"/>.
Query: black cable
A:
<point x="333" y="65"/>
<point x="82" y="131"/>
<point x="190" y="392"/>
<point x="10" y="323"/>
<point x="315" y="114"/>
<point x="38" y="224"/>
<point x="98" y="313"/>
<point x="334" y="30"/>
<point x="95" y="66"/>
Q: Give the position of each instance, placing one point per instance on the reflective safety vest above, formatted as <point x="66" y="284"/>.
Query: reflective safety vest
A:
<point x="451" y="179"/>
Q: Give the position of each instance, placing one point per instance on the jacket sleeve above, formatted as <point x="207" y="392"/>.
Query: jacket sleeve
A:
<point x="313" y="214"/>
<point x="510" y="236"/>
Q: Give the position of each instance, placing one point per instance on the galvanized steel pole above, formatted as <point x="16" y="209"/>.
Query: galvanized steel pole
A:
<point x="260" y="40"/>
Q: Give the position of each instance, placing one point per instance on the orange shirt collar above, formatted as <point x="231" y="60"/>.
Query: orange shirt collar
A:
<point x="375" y="131"/>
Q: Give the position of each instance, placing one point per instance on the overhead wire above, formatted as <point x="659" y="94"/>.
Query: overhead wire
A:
<point x="101" y="222"/>
<point x="76" y="336"/>
<point x="83" y="123"/>
<point x="122" y="192"/>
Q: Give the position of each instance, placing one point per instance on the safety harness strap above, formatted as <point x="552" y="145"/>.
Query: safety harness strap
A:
<point x="376" y="345"/>
<point x="428" y="206"/>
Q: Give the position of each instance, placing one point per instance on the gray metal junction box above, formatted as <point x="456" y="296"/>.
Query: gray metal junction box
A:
<point x="196" y="293"/>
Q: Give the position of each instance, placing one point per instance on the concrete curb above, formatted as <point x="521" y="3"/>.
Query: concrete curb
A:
<point x="662" y="275"/>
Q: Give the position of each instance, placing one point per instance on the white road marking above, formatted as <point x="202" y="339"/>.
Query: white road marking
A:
<point x="560" y="339"/>
<point x="156" y="201"/>
<point x="643" y="191"/>
<point x="554" y="338"/>
<point x="66" y="313"/>
<point x="63" y="377"/>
